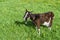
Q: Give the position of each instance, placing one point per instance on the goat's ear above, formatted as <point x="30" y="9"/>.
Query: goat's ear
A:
<point x="26" y="9"/>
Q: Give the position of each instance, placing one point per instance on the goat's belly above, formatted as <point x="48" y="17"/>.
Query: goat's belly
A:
<point x="46" y="23"/>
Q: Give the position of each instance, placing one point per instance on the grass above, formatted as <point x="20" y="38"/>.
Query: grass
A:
<point x="13" y="10"/>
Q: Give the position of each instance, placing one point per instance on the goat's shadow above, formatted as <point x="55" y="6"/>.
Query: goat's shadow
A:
<point x="29" y="23"/>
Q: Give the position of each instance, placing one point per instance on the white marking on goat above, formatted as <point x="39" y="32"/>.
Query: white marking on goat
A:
<point x="25" y="22"/>
<point x="39" y="31"/>
<point x="47" y="23"/>
<point x="25" y="15"/>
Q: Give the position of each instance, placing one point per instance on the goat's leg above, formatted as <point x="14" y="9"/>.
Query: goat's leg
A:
<point x="50" y="25"/>
<point x="39" y="31"/>
<point x="35" y="25"/>
<point x="26" y="21"/>
<point x="38" y="26"/>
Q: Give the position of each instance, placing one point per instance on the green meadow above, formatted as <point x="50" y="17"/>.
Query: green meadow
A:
<point x="12" y="25"/>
